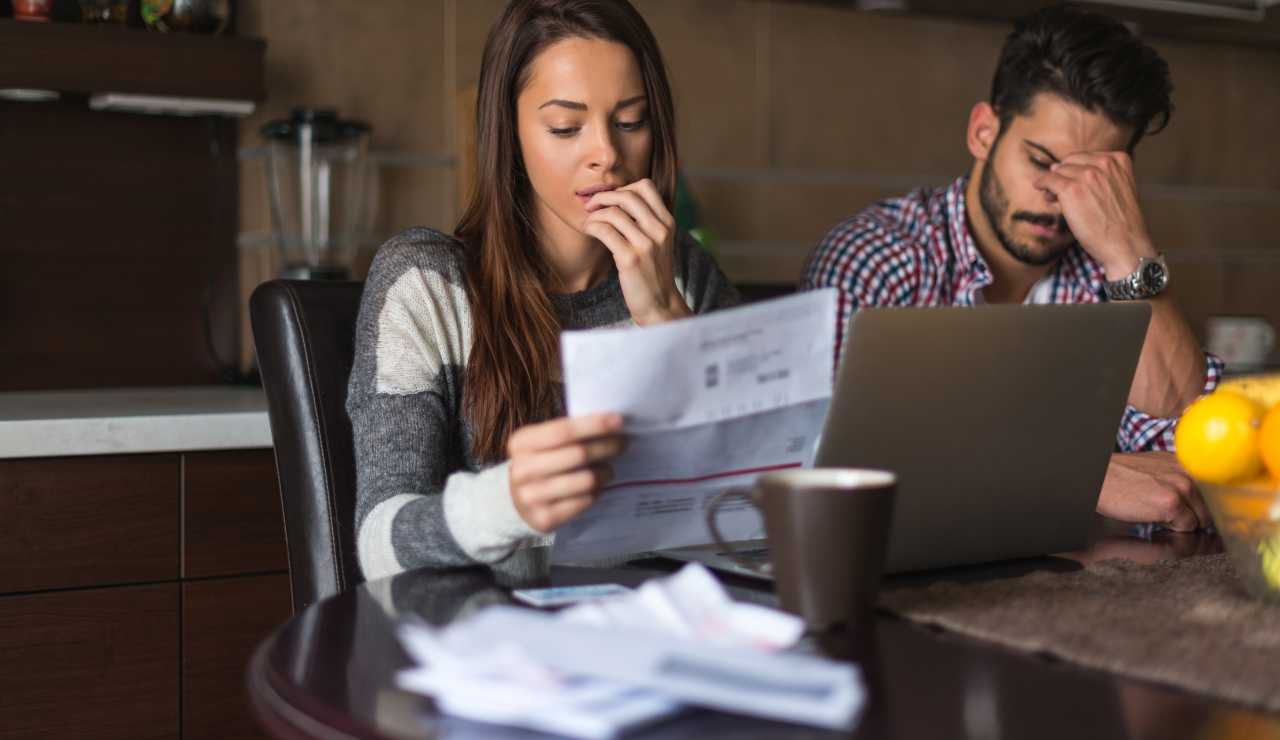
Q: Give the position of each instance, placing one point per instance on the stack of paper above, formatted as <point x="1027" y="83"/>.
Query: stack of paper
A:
<point x="600" y="669"/>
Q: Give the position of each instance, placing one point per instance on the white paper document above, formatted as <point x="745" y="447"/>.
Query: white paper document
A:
<point x="604" y="668"/>
<point x="708" y="403"/>
<point x="785" y="686"/>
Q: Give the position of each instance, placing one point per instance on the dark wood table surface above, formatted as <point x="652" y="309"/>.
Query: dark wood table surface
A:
<point x="327" y="673"/>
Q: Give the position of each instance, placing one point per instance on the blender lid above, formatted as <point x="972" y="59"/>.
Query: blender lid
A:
<point x="325" y="126"/>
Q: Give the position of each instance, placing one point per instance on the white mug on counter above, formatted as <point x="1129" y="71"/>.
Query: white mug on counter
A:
<point x="1243" y="343"/>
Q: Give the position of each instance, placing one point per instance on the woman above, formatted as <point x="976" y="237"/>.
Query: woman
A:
<point x="462" y="453"/>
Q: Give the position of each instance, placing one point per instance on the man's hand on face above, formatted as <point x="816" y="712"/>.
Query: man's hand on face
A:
<point x="1152" y="487"/>
<point x="1099" y="198"/>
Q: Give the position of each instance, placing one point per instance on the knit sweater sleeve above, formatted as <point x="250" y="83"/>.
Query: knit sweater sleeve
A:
<point x="700" y="280"/>
<point x="417" y="502"/>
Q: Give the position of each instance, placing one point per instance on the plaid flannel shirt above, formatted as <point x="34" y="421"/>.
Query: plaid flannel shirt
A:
<point x="917" y="251"/>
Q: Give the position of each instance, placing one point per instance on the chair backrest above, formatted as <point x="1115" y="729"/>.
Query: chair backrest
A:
<point x="304" y="334"/>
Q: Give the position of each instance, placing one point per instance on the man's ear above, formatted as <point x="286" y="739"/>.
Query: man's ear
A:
<point x="984" y="129"/>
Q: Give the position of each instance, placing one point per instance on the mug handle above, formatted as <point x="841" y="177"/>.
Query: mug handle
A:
<point x="713" y="507"/>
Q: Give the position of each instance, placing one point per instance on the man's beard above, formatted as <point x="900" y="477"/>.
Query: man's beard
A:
<point x="995" y="204"/>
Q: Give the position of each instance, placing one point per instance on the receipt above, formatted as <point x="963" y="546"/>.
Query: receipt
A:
<point x="708" y="403"/>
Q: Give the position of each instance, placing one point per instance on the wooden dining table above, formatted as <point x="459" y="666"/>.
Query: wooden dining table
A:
<point x="329" y="671"/>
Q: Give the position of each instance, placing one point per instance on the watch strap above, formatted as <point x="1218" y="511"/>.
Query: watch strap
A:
<point x="1130" y="287"/>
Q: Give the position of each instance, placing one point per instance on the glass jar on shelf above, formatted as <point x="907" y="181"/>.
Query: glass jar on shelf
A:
<point x="32" y="10"/>
<point x="193" y="16"/>
<point x="104" y="11"/>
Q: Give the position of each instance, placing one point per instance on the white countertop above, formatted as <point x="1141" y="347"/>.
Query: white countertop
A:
<point x="132" y="420"/>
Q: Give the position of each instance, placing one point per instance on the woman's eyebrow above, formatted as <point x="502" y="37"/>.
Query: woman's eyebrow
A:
<point x="575" y="105"/>
<point x="571" y="104"/>
<point x="629" y="102"/>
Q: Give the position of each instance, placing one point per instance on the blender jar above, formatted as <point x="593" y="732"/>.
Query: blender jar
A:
<point x="318" y="177"/>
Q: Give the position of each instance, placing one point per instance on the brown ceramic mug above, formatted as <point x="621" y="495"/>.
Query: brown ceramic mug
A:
<point x="828" y="531"/>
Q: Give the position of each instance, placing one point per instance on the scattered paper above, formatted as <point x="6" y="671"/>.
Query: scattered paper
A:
<point x="501" y="685"/>
<point x="604" y="668"/>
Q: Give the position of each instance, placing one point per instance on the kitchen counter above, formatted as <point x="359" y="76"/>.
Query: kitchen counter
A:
<point x="132" y="420"/>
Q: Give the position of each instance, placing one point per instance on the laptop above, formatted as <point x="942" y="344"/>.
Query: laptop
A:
<point x="999" y="421"/>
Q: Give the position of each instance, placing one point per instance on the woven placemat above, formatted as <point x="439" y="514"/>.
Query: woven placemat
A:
<point x="1188" y="623"/>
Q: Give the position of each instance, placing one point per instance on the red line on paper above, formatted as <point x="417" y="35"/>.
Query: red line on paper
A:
<point x="701" y="478"/>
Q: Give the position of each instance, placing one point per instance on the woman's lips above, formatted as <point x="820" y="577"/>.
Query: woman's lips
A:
<point x="585" y="195"/>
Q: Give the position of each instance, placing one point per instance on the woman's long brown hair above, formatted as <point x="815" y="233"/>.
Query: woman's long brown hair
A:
<point x="510" y="376"/>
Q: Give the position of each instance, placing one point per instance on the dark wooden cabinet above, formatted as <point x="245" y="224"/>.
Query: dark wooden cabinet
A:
<point x="223" y="620"/>
<point x="231" y="514"/>
<point x="88" y="521"/>
<point x="95" y="663"/>
<point x="133" y="590"/>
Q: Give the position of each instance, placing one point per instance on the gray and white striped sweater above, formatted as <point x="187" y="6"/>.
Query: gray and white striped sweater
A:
<point x="422" y="497"/>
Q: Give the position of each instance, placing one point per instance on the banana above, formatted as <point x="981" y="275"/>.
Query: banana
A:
<point x="1265" y="389"/>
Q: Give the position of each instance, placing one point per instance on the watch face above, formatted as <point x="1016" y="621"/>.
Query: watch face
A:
<point x="1153" y="276"/>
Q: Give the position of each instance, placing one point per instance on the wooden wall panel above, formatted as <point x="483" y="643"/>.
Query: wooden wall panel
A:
<point x="85" y="521"/>
<point x="97" y="664"/>
<point x="118" y="262"/>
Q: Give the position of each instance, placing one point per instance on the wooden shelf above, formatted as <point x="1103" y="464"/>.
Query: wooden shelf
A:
<point x="85" y="59"/>
<point x="1169" y="20"/>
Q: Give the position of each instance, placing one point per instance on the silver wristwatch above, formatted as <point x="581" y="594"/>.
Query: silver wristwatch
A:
<point x="1148" y="281"/>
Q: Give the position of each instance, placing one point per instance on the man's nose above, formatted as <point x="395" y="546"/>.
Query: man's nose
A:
<point x="1050" y="199"/>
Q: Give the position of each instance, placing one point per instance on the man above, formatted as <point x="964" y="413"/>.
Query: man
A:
<point x="1049" y="214"/>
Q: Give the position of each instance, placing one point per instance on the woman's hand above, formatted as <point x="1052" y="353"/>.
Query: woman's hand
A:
<point x="635" y="226"/>
<point x="557" y="468"/>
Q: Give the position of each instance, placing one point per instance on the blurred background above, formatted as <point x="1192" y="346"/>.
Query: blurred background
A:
<point x="792" y="116"/>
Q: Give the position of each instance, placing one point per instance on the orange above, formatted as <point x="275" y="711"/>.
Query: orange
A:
<point x="1251" y="501"/>
<point x="1269" y="440"/>
<point x="1217" y="438"/>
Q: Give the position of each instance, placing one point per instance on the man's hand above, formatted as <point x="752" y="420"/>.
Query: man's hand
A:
<point x="1152" y="487"/>
<point x="1099" y="197"/>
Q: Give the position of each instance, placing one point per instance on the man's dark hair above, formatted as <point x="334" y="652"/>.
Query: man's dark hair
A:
<point x="1088" y="58"/>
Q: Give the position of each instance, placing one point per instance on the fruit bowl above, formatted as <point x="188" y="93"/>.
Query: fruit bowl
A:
<point x="1229" y="442"/>
<point x="1248" y="519"/>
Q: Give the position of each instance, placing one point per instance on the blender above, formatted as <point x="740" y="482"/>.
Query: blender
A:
<point x="318" y="176"/>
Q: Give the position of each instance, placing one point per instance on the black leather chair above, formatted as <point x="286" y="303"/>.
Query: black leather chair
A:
<point x="304" y="334"/>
